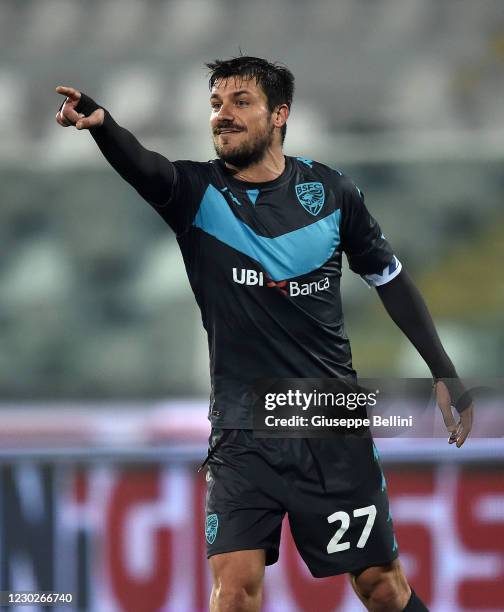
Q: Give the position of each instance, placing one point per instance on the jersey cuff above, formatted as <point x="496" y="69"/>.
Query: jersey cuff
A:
<point x="388" y="273"/>
<point x="86" y="105"/>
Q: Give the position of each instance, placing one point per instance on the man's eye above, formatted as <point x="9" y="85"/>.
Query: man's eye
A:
<point x="242" y="103"/>
<point x="215" y="106"/>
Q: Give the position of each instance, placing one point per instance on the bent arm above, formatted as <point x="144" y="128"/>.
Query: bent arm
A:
<point x="406" y="307"/>
<point x="151" y="174"/>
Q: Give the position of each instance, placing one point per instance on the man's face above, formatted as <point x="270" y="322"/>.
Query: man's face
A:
<point x="240" y="120"/>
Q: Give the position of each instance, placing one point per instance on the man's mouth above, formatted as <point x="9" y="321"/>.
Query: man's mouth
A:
<point x="228" y="131"/>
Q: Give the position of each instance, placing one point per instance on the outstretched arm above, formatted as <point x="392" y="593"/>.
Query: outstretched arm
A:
<point x="406" y="307"/>
<point x="151" y="174"/>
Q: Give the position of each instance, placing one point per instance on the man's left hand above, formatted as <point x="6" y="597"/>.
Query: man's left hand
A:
<point x="458" y="431"/>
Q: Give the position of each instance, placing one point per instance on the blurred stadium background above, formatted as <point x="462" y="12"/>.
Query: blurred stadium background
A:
<point x="103" y="362"/>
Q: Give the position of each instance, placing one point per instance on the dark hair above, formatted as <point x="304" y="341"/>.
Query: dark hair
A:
<point x="276" y="81"/>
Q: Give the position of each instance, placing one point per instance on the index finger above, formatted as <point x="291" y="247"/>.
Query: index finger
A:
<point x="70" y="92"/>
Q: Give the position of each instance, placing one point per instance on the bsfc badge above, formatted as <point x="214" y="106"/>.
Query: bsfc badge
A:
<point x="311" y="196"/>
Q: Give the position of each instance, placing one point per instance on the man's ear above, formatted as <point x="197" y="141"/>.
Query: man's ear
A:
<point x="280" y="115"/>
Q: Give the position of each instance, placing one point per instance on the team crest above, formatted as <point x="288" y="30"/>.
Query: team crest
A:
<point x="211" y="526"/>
<point x="311" y="196"/>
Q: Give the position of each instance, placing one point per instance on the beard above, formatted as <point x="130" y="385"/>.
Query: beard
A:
<point x="247" y="153"/>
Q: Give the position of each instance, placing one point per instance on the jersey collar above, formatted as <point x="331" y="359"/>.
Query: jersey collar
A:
<point x="246" y="185"/>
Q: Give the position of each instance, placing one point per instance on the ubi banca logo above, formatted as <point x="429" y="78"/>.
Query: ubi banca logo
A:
<point x="244" y="276"/>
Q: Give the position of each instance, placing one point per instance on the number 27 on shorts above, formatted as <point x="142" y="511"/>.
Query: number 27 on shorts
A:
<point x="334" y="544"/>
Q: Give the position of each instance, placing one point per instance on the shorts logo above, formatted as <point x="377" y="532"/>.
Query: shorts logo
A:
<point x="311" y="196"/>
<point x="211" y="526"/>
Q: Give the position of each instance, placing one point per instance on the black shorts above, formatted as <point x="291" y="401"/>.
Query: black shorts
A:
<point x="333" y="491"/>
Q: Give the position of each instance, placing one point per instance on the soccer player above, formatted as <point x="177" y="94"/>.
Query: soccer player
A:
<point x="262" y="236"/>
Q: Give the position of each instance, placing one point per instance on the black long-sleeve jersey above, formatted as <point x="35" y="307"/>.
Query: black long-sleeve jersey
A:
<point x="264" y="263"/>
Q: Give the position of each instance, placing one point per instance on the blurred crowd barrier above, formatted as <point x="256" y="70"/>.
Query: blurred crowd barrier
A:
<point x="107" y="504"/>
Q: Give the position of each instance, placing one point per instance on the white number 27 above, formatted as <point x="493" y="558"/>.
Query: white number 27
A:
<point x="335" y="545"/>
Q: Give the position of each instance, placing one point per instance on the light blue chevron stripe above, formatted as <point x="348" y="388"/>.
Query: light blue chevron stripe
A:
<point x="283" y="257"/>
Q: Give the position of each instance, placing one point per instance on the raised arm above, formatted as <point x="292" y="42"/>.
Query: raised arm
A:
<point x="406" y="307"/>
<point x="151" y="174"/>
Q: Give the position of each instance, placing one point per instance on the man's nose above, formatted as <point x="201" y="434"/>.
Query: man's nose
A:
<point x="225" y="112"/>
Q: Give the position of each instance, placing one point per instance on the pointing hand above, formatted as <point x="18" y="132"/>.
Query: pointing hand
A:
<point x="67" y="115"/>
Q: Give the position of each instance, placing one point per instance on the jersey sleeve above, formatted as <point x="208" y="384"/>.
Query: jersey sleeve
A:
<point x="190" y="182"/>
<point x="173" y="189"/>
<point x="368" y="252"/>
